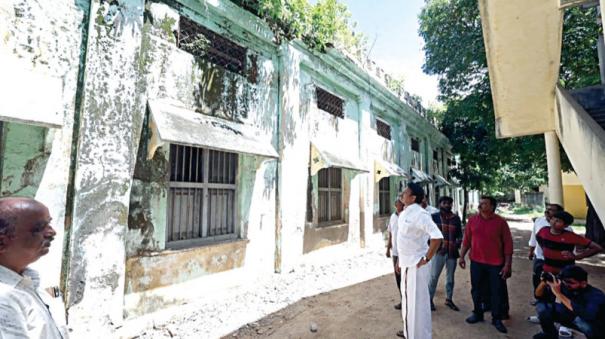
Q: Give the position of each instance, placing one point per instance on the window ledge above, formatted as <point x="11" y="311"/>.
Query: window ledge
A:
<point x="194" y="245"/>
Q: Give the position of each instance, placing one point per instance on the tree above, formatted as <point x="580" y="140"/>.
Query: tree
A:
<point x="454" y="50"/>
<point x="325" y="24"/>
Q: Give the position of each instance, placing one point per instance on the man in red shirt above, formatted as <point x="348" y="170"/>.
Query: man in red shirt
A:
<point x="558" y="244"/>
<point x="490" y="242"/>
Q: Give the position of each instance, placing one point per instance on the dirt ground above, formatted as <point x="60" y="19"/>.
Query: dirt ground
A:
<point x="366" y="310"/>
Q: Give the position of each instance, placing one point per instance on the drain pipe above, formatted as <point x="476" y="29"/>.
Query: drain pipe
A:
<point x="278" y="220"/>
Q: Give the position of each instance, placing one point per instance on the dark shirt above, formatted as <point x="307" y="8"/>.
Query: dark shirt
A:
<point x="490" y="239"/>
<point x="554" y="244"/>
<point x="451" y="227"/>
<point x="588" y="304"/>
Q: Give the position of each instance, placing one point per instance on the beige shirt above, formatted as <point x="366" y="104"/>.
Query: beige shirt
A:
<point x="25" y="309"/>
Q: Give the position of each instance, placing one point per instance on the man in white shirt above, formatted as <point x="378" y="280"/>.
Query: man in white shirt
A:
<point x="416" y="229"/>
<point x="392" y="228"/>
<point x="429" y="208"/>
<point x="25" y="236"/>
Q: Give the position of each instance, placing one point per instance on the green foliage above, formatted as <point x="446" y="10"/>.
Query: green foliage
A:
<point x="454" y="51"/>
<point x="319" y="26"/>
<point x="395" y="84"/>
<point x="580" y="59"/>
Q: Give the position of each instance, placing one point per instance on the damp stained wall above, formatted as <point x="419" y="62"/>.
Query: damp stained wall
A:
<point x="206" y="88"/>
<point x="41" y="43"/>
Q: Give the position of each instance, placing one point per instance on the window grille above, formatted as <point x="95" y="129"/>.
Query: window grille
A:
<point x="384" y="196"/>
<point x="416" y="160"/>
<point x="330" y="103"/>
<point x="204" y="43"/>
<point x="415" y="145"/>
<point x="383" y="129"/>
<point x="202" y="193"/>
<point x="330" y="195"/>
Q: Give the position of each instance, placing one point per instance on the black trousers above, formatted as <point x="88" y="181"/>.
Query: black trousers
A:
<point x="487" y="278"/>
<point x="397" y="275"/>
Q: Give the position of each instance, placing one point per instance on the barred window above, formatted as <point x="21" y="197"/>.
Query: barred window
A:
<point x="202" y="193"/>
<point x="416" y="160"/>
<point x="204" y="43"/>
<point x="384" y="196"/>
<point x="383" y="129"/>
<point x="415" y="145"/>
<point x="330" y="195"/>
<point x="330" y="103"/>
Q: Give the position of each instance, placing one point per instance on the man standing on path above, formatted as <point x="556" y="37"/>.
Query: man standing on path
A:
<point x="451" y="228"/>
<point x="489" y="240"/>
<point x="535" y="251"/>
<point x="392" y="228"/>
<point x="416" y="230"/>
<point x="25" y="236"/>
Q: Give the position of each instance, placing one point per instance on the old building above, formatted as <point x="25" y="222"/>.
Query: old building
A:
<point x="184" y="150"/>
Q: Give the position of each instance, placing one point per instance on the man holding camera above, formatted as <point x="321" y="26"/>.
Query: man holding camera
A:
<point x="580" y="305"/>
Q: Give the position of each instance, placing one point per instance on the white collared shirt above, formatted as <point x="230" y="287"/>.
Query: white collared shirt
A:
<point x="416" y="228"/>
<point x="25" y="310"/>
<point x="393" y="229"/>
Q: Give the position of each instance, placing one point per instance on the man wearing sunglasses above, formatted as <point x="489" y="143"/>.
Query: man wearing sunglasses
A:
<point x="579" y="305"/>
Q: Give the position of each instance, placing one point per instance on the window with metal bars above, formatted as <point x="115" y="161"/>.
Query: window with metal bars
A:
<point x="330" y="195"/>
<point x="329" y="102"/>
<point x="384" y="196"/>
<point x="202" y="196"/>
<point x="204" y="43"/>
<point x="383" y="129"/>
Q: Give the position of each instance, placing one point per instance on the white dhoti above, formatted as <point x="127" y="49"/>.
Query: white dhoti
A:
<point x="415" y="302"/>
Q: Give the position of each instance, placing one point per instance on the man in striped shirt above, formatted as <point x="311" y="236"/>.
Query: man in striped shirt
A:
<point x="558" y="244"/>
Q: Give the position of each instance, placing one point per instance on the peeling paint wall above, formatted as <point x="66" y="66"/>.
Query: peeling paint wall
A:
<point x="113" y="108"/>
<point x="107" y="59"/>
<point x="201" y="86"/>
<point x="40" y="41"/>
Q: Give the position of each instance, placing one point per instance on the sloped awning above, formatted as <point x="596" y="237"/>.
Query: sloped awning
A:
<point x="324" y="157"/>
<point x="523" y="47"/>
<point x="420" y="176"/>
<point x="170" y="123"/>
<point x="28" y="95"/>
<point x="384" y="169"/>
<point x="441" y="181"/>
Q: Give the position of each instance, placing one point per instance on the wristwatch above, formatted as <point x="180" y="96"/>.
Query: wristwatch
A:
<point x="425" y="258"/>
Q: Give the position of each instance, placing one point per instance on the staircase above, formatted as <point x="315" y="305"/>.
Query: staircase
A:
<point x="592" y="99"/>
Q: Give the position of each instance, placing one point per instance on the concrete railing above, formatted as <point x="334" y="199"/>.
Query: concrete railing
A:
<point x="584" y="142"/>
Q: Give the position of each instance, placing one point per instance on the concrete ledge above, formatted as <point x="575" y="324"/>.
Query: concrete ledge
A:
<point x="165" y="268"/>
<point x="319" y="237"/>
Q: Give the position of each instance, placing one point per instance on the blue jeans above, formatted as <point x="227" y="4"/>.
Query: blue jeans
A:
<point x="437" y="263"/>
<point x="549" y="313"/>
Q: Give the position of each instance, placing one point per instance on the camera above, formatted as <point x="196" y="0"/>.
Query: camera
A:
<point x="547" y="276"/>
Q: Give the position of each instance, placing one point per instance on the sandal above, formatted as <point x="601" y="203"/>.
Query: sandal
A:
<point x="451" y="305"/>
<point x="565" y="332"/>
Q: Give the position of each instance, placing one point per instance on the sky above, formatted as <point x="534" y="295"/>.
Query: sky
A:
<point x="391" y="27"/>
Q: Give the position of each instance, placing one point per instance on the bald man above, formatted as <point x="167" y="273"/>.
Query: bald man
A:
<point x="25" y="236"/>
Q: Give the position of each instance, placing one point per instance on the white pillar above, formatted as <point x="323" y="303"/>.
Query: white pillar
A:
<point x="553" y="159"/>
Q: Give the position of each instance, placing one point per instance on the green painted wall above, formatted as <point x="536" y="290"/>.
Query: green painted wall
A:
<point x="24" y="159"/>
